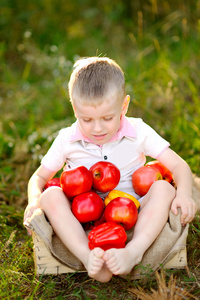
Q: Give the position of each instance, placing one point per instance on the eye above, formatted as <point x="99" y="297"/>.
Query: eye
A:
<point x="108" y="118"/>
<point x="87" y="120"/>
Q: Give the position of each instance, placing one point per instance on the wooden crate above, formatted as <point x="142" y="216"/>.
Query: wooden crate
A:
<point x="45" y="263"/>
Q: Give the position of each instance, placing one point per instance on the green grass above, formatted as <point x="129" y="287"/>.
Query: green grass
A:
<point x="158" y="50"/>
<point x="17" y="278"/>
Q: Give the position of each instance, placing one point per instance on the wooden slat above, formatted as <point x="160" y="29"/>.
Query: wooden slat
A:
<point x="180" y="260"/>
<point x="45" y="263"/>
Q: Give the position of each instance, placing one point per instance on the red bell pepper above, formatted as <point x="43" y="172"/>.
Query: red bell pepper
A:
<point x="107" y="235"/>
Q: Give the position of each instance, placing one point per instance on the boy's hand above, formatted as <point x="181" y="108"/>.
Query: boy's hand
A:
<point x="28" y="213"/>
<point x="188" y="208"/>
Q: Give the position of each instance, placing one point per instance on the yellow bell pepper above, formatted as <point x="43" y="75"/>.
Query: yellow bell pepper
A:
<point x="115" y="193"/>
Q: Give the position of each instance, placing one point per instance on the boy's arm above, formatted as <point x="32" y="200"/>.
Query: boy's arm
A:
<point x="35" y="189"/>
<point x="183" y="179"/>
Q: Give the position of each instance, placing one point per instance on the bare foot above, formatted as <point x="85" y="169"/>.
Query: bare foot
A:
<point x="121" y="261"/>
<point x="96" y="266"/>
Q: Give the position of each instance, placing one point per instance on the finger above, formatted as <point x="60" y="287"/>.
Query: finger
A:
<point x="27" y="215"/>
<point x="26" y="222"/>
<point x="29" y="232"/>
<point x="189" y="218"/>
<point x="191" y="213"/>
<point x="174" y="209"/>
<point x="184" y="217"/>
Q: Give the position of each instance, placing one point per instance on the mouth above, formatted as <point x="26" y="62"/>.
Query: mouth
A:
<point x="99" y="136"/>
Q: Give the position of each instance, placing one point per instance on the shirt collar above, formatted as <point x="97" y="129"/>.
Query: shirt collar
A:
<point x="125" y="130"/>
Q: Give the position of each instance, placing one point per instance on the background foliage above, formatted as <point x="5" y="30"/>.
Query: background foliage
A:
<point x="155" y="42"/>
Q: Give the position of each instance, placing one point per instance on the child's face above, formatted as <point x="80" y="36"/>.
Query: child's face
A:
<point x="99" y="123"/>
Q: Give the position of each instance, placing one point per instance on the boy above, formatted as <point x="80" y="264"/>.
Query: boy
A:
<point x="102" y="132"/>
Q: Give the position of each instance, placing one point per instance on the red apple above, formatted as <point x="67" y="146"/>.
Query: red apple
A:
<point x="52" y="182"/>
<point x="166" y="174"/>
<point x="143" y="178"/>
<point x="87" y="207"/>
<point x="76" y="181"/>
<point x="106" y="176"/>
<point x="123" y="211"/>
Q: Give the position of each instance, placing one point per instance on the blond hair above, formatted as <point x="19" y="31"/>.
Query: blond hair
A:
<point x="94" y="79"/>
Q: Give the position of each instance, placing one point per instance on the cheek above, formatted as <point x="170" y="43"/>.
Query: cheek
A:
<point x="113" y="128"/>
<point x="117" y="124"/>
<point x="85" y="127"/>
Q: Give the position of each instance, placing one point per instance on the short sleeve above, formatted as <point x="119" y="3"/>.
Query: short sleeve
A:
<point x="152" y="143"/>
<point x="55" y="158"/>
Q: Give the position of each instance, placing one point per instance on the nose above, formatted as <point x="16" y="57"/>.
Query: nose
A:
<point x="97" y="126"/>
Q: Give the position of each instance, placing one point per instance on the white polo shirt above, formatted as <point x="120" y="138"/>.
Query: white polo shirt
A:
<point x="127" y="150"/>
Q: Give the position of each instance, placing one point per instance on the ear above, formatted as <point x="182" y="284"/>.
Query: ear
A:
<point x="125" y="105"/>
